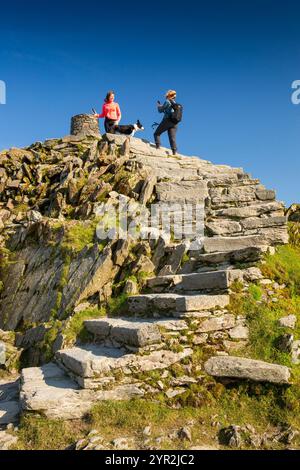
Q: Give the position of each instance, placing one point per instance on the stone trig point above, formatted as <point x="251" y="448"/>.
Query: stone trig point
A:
<point x="85" y="124"/>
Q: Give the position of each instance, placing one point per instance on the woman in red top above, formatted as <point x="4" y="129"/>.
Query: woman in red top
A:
<point x="111" y="112"/>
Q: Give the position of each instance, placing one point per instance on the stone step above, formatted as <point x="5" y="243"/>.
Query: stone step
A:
<point x="93" y="366"/>
<point x="249" y="369"/>
<point x="49" y="390"/>
<point x="203" y="281"/>
<point x="183" y="191"/>
<point x="221" y="260"/>
<point x="223" y="244"/>
<point x="174" y="304"/>
<point x="124" y="331"/>
<point x="248" y="254"/>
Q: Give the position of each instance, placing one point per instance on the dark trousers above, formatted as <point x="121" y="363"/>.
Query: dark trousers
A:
<point x="109" y="125"/>
<point x="167" y="125"/>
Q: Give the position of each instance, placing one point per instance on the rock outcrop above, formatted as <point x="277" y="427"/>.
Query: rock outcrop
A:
<point x="178" y="283"/>
<point x="242" y="368"/>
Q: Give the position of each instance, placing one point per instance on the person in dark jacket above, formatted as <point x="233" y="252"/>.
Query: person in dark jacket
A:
<point x="167" y="124"/>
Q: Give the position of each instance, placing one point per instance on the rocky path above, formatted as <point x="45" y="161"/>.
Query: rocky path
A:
<point x="180" y="308"/>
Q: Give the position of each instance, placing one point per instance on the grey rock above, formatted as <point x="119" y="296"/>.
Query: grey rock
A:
<point x="31" y="337"/>
<point x="121" y="252"/>
<point x="194" y="281"/>
<point x="147" y="431"/>
<point x="251" y="211"/>
<point x="9" y="390"/>
<point x="223" y="227"/>
<point x="2" y="353"/>
<point x="148" y="303"/>
<point x="230" y="436"/>
<point x="250" y="254"/>
<point x="34" y="216"/>
<point x="185" y="433"/>
<point x="85" y="124"/>
<point x="97" y="361"/>
<point x="239" y="332"/>
<point x="121" y="443"/>
<point x="200" y="339"/>
<point x="147" y="189"/>
<point x="265" y="194"/>
<point x="81" y="444"/>
<point x="252" y="274"/>
<point x="259" y="222"/>
<point x="295" y="349"/>
<point x="172" y="393"/>
<point x="188" y="191"/>
<point x="289" y="321"/>
<point x="223" y="322"/>
<point x="50" y="391"/>
<point x="242" y="368"/>
<point x="286" y="436"/>
<point x="216" y="244"/>
<point x="173" y="262"/>
<point x="285" y="342"/>
<point x="33" y="297"/>
<point x="204" y="447"/>
<point x="7" y="440"/>
<point x="131" y="287"/>
<point x="9" y="412"/>
<point x="134" y="333"/>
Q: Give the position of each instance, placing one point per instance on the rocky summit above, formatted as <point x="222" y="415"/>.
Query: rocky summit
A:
<point x="87" y="317"/>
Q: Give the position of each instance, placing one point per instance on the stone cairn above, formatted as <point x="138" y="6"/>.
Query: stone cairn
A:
<point x="84" y="124"/>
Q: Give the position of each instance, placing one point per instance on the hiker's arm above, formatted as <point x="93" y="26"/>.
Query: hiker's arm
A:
<point x="102" y="115"/>
<point x="119" y="115"/>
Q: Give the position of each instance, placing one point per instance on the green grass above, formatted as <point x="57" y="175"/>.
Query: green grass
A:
<point x="37" y="432"/>
<point x="117" y="305"/>
<point x="261" y="405"/>
<point x="255" y="292"/>
<point x="78" y="236"/>
<point x="284" y="267"/>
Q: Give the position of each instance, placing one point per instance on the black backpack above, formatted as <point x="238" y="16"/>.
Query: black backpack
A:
<point x="176" y="116"/>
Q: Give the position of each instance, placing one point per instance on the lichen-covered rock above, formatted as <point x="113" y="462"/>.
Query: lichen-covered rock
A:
<point x="242" y="368"/>
<point x="49" y="390"/>
<point x="7" y="440"/>
<point x="134" y="333"/>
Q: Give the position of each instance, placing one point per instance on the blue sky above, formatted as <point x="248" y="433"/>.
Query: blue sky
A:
<point x="232" y="63"/>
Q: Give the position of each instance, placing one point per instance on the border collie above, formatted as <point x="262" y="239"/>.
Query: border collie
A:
<point x="129" y="129"/>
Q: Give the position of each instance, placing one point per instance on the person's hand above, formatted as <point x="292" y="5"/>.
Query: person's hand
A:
<point x="158" y="103"/>
<point x="95" y="115"/>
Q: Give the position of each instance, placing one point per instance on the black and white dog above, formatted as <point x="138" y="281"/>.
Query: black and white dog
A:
<point x="129" y="129"/>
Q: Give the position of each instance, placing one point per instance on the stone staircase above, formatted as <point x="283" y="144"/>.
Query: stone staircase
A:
<point x="156" y="334"/>
<point x="185" y="305"/>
